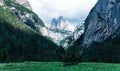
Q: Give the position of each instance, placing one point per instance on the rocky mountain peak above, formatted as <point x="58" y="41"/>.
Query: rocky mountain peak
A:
<point x="22" y="10"/>
<point x="54" y="23"/>
<point x="61" y="18"/>
<point x="25" y="3"/>
<point x="1" y="2"/>
<point x="62" y="24"/>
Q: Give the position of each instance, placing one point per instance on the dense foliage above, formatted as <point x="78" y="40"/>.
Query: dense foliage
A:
<point x="106" y="51"/>
<point x="73" y="53"/>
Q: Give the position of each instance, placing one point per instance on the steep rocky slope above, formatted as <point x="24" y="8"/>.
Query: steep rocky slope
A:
<point x="101" y="40"/>
<point x="102" y="22"/>
<point x="70" y="39"/>
<point x="24" y="13"/>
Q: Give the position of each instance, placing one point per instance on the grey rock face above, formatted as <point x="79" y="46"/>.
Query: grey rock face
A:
<point x="24" y="14"/>
<point x="79" y="30"/>
<point x="62" y="24"/>
<point x="69" y="40"/>
<point x="24" y="3"/>
<point x="54" y="23"/>
<point x="102" y="22"/>
<point x="1" y="2"/>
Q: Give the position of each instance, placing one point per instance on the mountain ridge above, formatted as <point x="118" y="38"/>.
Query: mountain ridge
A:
<point x="24" y="3"/>
<point x="24" y="14"/>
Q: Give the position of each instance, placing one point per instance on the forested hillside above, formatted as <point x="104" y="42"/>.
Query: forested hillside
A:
<point x="19" y="42"/>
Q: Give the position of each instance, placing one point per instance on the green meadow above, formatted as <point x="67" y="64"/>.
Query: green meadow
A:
<point x="58" y="66"/>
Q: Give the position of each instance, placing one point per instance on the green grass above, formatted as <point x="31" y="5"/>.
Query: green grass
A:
<point x="58" y="66"/>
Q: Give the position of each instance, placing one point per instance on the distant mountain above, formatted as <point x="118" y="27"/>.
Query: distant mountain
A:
<point x="59" y="29"/>
<point x="62" y="24"/>
<point x="63" y="32"/>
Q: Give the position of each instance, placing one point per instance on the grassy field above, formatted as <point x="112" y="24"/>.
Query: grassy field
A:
<point x="58" y="66"/>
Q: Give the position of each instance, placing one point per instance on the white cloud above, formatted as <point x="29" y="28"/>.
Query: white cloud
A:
<point x="72" y="9"/>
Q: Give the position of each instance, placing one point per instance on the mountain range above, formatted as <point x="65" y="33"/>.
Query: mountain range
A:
<point x="24" y="37"/>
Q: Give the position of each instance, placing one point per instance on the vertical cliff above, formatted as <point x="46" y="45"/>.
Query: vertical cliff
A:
<point x="102" y="22"/>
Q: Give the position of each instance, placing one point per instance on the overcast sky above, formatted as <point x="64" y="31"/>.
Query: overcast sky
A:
<point x="74" y="10"/>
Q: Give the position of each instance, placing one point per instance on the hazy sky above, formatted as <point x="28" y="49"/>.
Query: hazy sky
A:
<point x="74" y="10"/>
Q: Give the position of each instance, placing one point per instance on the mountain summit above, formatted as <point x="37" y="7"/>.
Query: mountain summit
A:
<point x="24" y="3"/>
<point x="62" y="24"/>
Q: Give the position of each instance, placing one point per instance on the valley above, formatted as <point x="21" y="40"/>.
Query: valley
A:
<point x="26" y="44"/>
